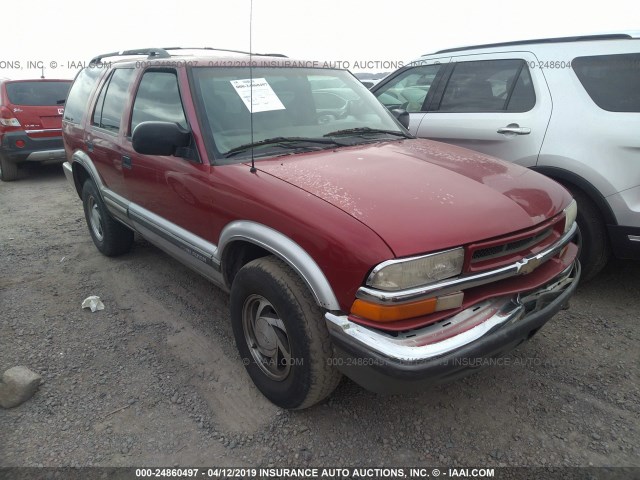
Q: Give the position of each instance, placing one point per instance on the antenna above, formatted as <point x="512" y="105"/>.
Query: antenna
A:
<point x="253" y="162"/>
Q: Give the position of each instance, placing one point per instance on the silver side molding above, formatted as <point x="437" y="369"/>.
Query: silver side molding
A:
<point x="172" y="233"/>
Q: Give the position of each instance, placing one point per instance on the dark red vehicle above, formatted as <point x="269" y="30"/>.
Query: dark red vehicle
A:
<point x="348" y="246"/>
<point x="30" y="123"/>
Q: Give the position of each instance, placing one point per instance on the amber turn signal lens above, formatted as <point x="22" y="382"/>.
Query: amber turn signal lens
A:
<point x="391" y="313"/>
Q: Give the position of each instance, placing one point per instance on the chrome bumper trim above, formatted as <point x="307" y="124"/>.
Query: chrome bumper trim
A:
<point x="413" y="346"/>
<point x="45" y="155"/>
<point x="522" y="267"/>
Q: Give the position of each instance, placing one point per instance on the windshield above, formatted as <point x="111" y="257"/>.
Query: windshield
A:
<point x="38" y="93"/>
<point x="295" y="109"/>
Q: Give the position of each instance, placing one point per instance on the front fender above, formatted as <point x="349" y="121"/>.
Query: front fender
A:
<point x="287" y="250"/>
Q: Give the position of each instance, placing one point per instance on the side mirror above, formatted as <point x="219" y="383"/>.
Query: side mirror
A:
<point x="159" y="138"/>
<point x="402" y="116"/>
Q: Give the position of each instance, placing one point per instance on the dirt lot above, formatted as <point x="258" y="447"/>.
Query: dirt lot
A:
<point x="155" y="379"/>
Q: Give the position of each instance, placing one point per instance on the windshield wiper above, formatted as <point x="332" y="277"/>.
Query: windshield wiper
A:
<point x="366" y="131"/>
<point x="286" y="142"/>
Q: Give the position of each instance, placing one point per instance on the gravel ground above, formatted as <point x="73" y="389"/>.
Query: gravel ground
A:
<point x="155" y="379"/>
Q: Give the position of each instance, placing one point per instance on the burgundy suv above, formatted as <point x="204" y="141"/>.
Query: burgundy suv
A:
<point x="30" y="123"/>
<point x="347" y="245"/>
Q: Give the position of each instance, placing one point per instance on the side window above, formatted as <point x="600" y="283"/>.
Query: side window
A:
<point x="112" y="100"/>
<point x="523" y="97"/>
<point x="97" y="112"/>
<point x="488" y="86"/>
<point x="409" y="89"/>
<point x="158" y="99"/>
<point x="78" y="97"/>
<point x="611" y="80"/>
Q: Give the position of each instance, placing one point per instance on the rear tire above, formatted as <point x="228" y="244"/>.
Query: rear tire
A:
<point x="281" y="335"/>
<point x="595" y="251"/>
<point x="8" y="169"/>
<point x="110" y="236"/>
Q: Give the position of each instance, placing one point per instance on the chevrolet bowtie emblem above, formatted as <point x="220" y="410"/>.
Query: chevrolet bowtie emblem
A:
<point x="529" y="265"/>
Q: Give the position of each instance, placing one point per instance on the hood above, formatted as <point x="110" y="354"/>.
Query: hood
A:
<point x="421" y="196"/>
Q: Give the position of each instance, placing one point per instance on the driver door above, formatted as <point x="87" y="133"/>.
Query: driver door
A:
<point x="174" y="188"/>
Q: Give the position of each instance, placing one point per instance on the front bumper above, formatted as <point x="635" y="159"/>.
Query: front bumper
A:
<point x="387" y="363"/>
<point x="40" y="150"/>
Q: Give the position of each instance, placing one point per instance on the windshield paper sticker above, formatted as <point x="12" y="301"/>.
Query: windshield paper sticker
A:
<point x="264" y="98"/>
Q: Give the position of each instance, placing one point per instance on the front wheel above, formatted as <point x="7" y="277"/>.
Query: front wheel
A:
<point x="281" y="335"/>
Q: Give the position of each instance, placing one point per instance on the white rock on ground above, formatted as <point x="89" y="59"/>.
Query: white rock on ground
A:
<point x="18" y="385"/>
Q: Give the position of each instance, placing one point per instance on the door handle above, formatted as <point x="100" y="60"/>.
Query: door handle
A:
<point x="126" y="162"/>
<point x="515" y="129"/>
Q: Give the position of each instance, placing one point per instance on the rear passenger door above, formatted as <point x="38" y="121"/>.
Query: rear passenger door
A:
<point x="103" y="138"/>
<point x="497" y="104"/>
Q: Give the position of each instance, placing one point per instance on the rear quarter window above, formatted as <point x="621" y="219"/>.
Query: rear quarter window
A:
<point x="79" y="94"/>
<point x="612" y="81"/>
<point x="112" y="100"/>
<point x="37" y="93"/>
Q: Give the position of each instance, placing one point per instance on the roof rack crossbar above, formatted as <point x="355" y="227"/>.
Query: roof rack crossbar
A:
<point x="581" y="38"/>
<point x="164" y="52"/>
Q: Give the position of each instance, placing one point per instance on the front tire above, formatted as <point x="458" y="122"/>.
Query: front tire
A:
<point x="110" y="236"/>
<point x="281" y="335"/>
<point x="595" y="250"/>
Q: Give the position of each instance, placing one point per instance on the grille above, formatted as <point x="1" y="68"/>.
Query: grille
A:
<point x="508" y="248"/>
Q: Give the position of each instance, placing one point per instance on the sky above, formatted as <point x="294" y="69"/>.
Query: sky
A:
<point x="55" y="37"/>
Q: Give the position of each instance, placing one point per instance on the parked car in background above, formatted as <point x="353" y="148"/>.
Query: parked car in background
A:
<point x="565" y="107"/>
<point x="30" y="123"/>
<point x="347" y="245"/>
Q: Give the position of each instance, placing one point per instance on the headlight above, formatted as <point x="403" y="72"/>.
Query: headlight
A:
<point x="413" y="272"/>
<point x="570" y="215"/>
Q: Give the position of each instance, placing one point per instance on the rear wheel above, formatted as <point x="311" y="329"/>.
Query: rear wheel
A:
<point x="281" y="335"/>
<point x="110" y="236"/>
<point x="595" y="251"/>
<point x="8" y="170"/>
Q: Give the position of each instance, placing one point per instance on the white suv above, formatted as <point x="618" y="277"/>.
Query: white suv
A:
<point x="566" y="107"/>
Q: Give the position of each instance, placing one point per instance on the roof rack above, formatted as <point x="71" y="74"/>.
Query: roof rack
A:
<point x="164" y="53"/>
<point x="150" y="52"/>
<point x="580" y="38"/>
<point x="227" y="50"/>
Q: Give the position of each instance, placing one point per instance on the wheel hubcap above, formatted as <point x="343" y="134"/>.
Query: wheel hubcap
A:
<point x="95" y="219"/>
<point x="266" y="337"/>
